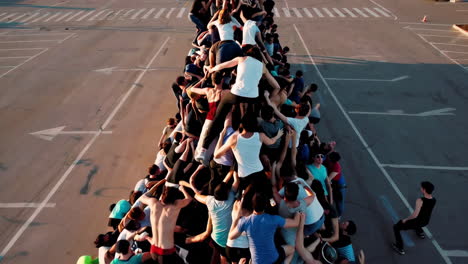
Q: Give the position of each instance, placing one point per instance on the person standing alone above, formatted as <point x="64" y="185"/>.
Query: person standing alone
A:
<point x="418" y="219"/>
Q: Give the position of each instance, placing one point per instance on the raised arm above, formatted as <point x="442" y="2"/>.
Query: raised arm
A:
<point x="301" y="250"/>
<point x="187" y="198"/>
<point x="277" y="112"/>
<point x="221" y="149"/>
<point x="201" y="237"/>
<point x="226" y="64"/>
<point x="270" y="141"/>
<point x="292" y="222"/>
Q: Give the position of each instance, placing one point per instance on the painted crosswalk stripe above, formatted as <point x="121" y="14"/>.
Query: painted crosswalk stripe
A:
<point x="145" y="16"/>
<point x="7" y="17"/>
<point x="360" y="12"/>
<point x="73" y="16"/>
<point x="85" y="15"/>
<point x="170" y="12"/>
<point x="53" y="16"/>
<point x="286" y="12"/>
<point x="30" y="17"/>
<point x="64" y="16"/>
<point x="127" y="13"/>
<point x="97" y="14"/>
<point x="330" y="14"/>
<point x="275" y="11"/>
<point x="349" y="12"/>
<point x="181" y="12"/>
<point x="106" y="15"/>
<point x="135" y="16"/>
<point x="2" y="14"/>
<point x="307" y="12"/>
<point x="371" y="12"/>
<point x="16" y="18"/>
<point x="116" y="14"/>
<point x="317" y="11"/>
<point x="298" y="14"/>
<point x="338" y="12"/>
<point x="39" y="18"/>
<point x="159" y="13"/>
<point x="381" y="12"/>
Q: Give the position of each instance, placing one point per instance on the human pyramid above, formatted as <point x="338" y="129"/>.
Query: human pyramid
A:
<point x="241" y="175"/>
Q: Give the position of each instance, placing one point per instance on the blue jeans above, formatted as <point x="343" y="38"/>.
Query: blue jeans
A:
<point x="339" y="193"/>
<point x="198" y="23"/>
<point x="312" y="228"/>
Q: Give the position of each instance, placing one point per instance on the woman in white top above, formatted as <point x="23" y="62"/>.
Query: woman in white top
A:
<point x="246" y="148"/>
<point x="250" y="70"/>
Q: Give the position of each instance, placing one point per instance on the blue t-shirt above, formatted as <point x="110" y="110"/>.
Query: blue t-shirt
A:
<point x="260" y="231"/>
<point x="320" y="174"/>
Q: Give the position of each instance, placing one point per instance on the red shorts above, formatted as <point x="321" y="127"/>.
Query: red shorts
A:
<point x="162" y="252"/>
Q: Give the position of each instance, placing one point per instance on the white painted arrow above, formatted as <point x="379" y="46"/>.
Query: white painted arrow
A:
<point x="49" y="134"/>
<point x="437" y="112"/>
<point x="370" y="80"/>
<point x="110" y="70"/>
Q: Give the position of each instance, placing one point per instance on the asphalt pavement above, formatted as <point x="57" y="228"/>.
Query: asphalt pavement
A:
<point x="85" y="93"/>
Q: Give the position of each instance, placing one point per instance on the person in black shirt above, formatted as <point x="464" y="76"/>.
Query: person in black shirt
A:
<point x="418" y="219"/>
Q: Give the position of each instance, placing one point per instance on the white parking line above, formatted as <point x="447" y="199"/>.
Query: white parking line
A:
<point x="338" y="12"/>
<point x="135" y="16"/>
<point x="349" y="12"/>
<point x="17" y="57"/>
<point x="19" y="65"/>
<point x="328" y="12"/>
<point x="368" y="148"/>
<point x="296" y="12"/>
<point x="276" y="13"/>
<point x="460" y="52"/>
<point x="286" y="12"/>
<point x="25" y="205"/>
<point x="170" y="12"/>
<point x="27" y="35"/>
<point x="53" y="16"/>
<point x="429" y="29"/>
<point x="145" y="16"/>
<point x="6" y="17"/>
<point x="371" y="12"/>
<point x="307" y="12"/>
<point x="317" y="11"/>
<point x="28" y="41"/>
<point x="30" y="17"/>
<point x="2" y="14"/>
<point x="443" y="53"/>
<point x="407" y="166"/>
<point x="64" y="16"/>
<point x="16" y="18"/>
<point x="449" y="44"/>
<point x="25" y="49"/>
<point x="181" y="12"/>
<point x="97" y="14"/>
<point x="159" y="13"/>
<point x="85" y="15"/>
<point x="442" y="36"/>
<point x="360" y="12"/>
<point x="73" y="16"/>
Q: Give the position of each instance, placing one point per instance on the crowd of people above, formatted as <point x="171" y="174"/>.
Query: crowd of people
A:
<point x="241" y="174"/>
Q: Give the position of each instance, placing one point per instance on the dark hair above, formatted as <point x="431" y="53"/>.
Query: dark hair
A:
<point x="249" y="123"/>
<point x="122" y="246"/>
<point x="132" y="225"/>
<point x="351" y="228"/>
<point x="217" y="77"/>
<point x="286" y="49"/>
<point x="180" y="80"/>
<point x="299" y="74"/>
<point x="313" y="87"/>
<point x="178" y="136"/>
<point x="134" y="196"/>
<point x="290" y="191"/>
<point x="136" y="213"/>
<point x="99" y="242"/>
<point x="253" y="51"/>
<point x="169" y="195"/>
<point x="153" y="169"/>
<point x="303" y="109"/>
<point x="334" y="156"/>
<point x="111" y="207"/>
<point x="427" y="186"/>
<point x="267" y="112"/>
<point x="221" y="192"/>
<point x="167" y="145"/>
<point x="259" y="202"/>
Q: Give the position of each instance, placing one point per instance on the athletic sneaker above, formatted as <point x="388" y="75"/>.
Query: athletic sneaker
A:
<point x="421" y="235"/>
<point x="201" y="155"/>
<point x="397" y="249"/>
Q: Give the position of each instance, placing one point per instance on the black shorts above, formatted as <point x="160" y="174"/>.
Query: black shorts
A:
<point x="282" y="254"/>
<point x="236" y="254"/>
<point x="220" y="249"/>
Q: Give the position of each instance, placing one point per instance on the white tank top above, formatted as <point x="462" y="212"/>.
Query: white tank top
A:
<point x="247" y="154"/>
<point x="249" y="73"/>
